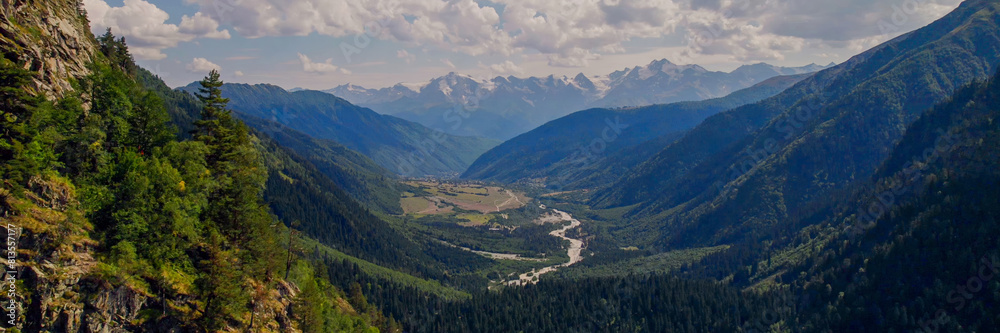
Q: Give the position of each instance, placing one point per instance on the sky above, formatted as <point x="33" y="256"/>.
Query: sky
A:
<point x="320" y="44"/>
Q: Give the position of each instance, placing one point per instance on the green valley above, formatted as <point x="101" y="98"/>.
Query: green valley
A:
<point x="855" y="197"/>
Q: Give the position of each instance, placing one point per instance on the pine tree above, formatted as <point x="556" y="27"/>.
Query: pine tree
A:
<point x="16" y="107"/>
<point x="216" y="120"/>
<point x="235" y="206"/>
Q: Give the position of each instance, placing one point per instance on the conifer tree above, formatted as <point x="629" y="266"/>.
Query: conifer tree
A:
<point x="240" y="223"/>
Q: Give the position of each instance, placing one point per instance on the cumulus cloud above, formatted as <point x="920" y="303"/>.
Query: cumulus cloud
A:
<point x="461" y="25"/>
<point x="201" y="65"/>
<point x="749" y="30"/>
<point x="326" y="67"/>
<point x="712" y="33"/>
<point x="145" y="29"/>
<point x="569" y="33"/>
<point x="238" y="73"/>
<point x="849" y="19"/>
<point x="564" y="28"/>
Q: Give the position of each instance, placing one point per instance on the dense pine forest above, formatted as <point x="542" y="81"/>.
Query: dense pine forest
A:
<point x="181" y="224"/>
<point x="860" y="198"/>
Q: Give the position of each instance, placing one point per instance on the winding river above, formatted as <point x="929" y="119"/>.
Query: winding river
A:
<point x="575" y="248"/>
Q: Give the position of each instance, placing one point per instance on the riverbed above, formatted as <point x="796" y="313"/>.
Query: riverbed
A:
<point x="575" y="248"/>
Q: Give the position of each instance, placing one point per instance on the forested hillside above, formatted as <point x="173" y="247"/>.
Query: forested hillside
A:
<point x="400" y="146"/>
<point x="862" y="198"/>
<point x="121" y="226"/>
<point x="594" y="147"/>
<point x="361" y="177"/>
<point x="309" y="195"/>
<point x="909" y="249"/>
<point x="366" y="182"/>
<point x="918" y="234"/>
<point x="934" y="241"/>
<point x="744" y="169"/>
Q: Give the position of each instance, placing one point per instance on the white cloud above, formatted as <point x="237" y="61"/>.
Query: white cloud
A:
<point x="504" y="68"/>
<point x="317" y="67"/>
<point x="569" y="33"/>
<point x="769" y="30"/>
<point x="201" y="65"/>
<point x="238" y="73"/>
<point x="849" y="19"/>
<point x="406" y="56"/>
<point x="448" y="63"/>
<point x="202" y="26"/>
<point x="712" y="33"/>
<point x="145" y="29"/>
<point x="465" y="26"/>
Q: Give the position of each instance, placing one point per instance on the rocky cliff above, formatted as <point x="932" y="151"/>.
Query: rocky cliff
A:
<point x="51" y="38"/>
<point x="61" y="283"/>
<point x="63" y="288"/>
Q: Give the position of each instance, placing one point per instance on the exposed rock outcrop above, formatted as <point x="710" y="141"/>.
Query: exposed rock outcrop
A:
<point x="51" y="37"/>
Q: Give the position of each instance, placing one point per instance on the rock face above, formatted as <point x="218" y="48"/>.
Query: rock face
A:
<point x="51" y="37"/>
<point x="61" y="285"/>
<point x="62" y="290"/>
<point x="54" y="254"/>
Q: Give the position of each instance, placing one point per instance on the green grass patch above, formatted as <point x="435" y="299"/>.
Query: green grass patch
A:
<point x="414" y="204"/>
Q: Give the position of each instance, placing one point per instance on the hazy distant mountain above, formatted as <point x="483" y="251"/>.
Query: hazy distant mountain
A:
<point x="362" y="96"/>
<point x="504" y="107"/>
<point x="559" y="153"/>
<point x="401" y="146"/>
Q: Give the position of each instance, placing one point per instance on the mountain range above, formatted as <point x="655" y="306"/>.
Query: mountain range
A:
<point x="744" y="168"/>
<point x="400" y="146"/>
<point x="594" y="147"/>
<point x="504" y="107"/>
<point x="856" y="198"/>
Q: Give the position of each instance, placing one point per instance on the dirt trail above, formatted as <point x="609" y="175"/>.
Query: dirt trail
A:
<point x="575" y="248"/>
<point x="512" y="197"/>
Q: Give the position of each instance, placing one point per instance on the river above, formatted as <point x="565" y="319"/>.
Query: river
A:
<point x="575" y="248"/>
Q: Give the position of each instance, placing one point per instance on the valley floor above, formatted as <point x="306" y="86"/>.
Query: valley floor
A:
<point x="575" y="248"/>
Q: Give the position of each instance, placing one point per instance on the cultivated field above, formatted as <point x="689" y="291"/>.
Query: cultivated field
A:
<point x="471" y="197"/>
